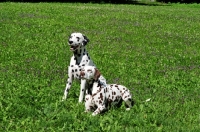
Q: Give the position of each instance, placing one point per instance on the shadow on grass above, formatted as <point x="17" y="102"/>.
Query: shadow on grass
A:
<point x="130" y="2"/>
<point x="147" y="3"/>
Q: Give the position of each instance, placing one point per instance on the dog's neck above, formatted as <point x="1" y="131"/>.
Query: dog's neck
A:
<point x="98" y="82"/>
<point x="101" y="81"/>
<point x="78" y="54"/>
<point x="79" y="51"/>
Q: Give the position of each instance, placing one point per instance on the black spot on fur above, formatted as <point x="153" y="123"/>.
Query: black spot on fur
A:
<point x="78" y="39"/>
<point x="100" y="102"/>
<point x="94" y="94"/>
<point x="101" y="96"/>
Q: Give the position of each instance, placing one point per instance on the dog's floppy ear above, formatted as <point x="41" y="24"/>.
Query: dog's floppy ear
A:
<point x="86" y="40"/>
<point x="97" y="74"/>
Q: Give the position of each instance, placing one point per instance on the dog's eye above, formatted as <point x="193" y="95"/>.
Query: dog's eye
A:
<point x="78" y="38"/>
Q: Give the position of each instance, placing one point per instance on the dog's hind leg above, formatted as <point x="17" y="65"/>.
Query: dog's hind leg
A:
<point x="129" y="103"/>
<point x="128" y="100"/>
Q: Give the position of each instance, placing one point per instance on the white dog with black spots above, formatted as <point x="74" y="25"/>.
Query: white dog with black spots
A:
<point x="104" y="95"/>
<point x="79" y="60"/>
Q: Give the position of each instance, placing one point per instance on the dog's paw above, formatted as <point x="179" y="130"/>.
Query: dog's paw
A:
<point x="80" y="100"/>
<point x="86" y="111"/>
<point x="63" y="98"/>
<point x="128" y="109"/>
<point x="94" y="114"/>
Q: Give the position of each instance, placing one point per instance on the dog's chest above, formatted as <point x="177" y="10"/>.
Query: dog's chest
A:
<point x="80" y="57"/>
<point x="74" y="71"/>
<point x="83" y="60"/>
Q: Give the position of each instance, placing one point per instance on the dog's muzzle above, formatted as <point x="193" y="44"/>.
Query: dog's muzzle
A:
<point x="82" y="74"/>
<point x="73" y="48"/>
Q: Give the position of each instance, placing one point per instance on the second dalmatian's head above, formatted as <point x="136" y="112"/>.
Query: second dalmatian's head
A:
<point x="76" y="40"/>
<point x="90" y="73"/>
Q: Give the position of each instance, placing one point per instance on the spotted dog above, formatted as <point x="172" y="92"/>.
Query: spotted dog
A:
<point x="79" y="60"/>
<point x="104" y="95"/>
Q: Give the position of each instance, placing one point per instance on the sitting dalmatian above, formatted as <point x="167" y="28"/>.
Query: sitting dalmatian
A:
<point x="79" y="60"/>
<point x="104" y="95"/>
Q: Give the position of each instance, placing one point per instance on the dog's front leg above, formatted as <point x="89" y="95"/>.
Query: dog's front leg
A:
<point x="88" y="103"/>
<point x="67" y="88"/>
<point x="82" y="90"/>
<point x="99" y="110"/>
<point x="68" y="85"/>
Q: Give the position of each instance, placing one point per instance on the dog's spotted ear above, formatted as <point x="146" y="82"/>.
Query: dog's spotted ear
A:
<point x="86" y="40"/>
<point x="97" y="74"/>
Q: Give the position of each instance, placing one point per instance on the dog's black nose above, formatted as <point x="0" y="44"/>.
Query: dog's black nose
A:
<point x="70" y="42"/>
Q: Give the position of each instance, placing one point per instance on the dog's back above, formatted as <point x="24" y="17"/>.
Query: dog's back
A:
<point x="117" y="92"/>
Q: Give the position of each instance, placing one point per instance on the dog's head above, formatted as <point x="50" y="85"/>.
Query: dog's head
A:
<point x="89" y="73"/>
<point x="77" y="40"/>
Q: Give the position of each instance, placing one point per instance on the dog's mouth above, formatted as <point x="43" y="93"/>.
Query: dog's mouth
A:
<point x="73" y="48"/>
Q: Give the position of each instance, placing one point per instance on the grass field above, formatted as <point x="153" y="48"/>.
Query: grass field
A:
<point x="153" y="50"/>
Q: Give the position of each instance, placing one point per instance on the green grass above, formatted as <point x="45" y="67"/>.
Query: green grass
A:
<point x="153" y="50"/>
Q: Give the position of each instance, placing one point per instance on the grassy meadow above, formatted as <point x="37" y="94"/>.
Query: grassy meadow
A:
<point x="153" y="50"/>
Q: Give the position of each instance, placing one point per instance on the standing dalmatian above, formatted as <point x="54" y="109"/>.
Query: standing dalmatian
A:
<point x="79" y="60"/>
<point x="104" y="95"/>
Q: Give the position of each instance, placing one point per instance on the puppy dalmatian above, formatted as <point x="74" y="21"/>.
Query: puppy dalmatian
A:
<point x="104" y="95"/>
<point x="79" y="60"/>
